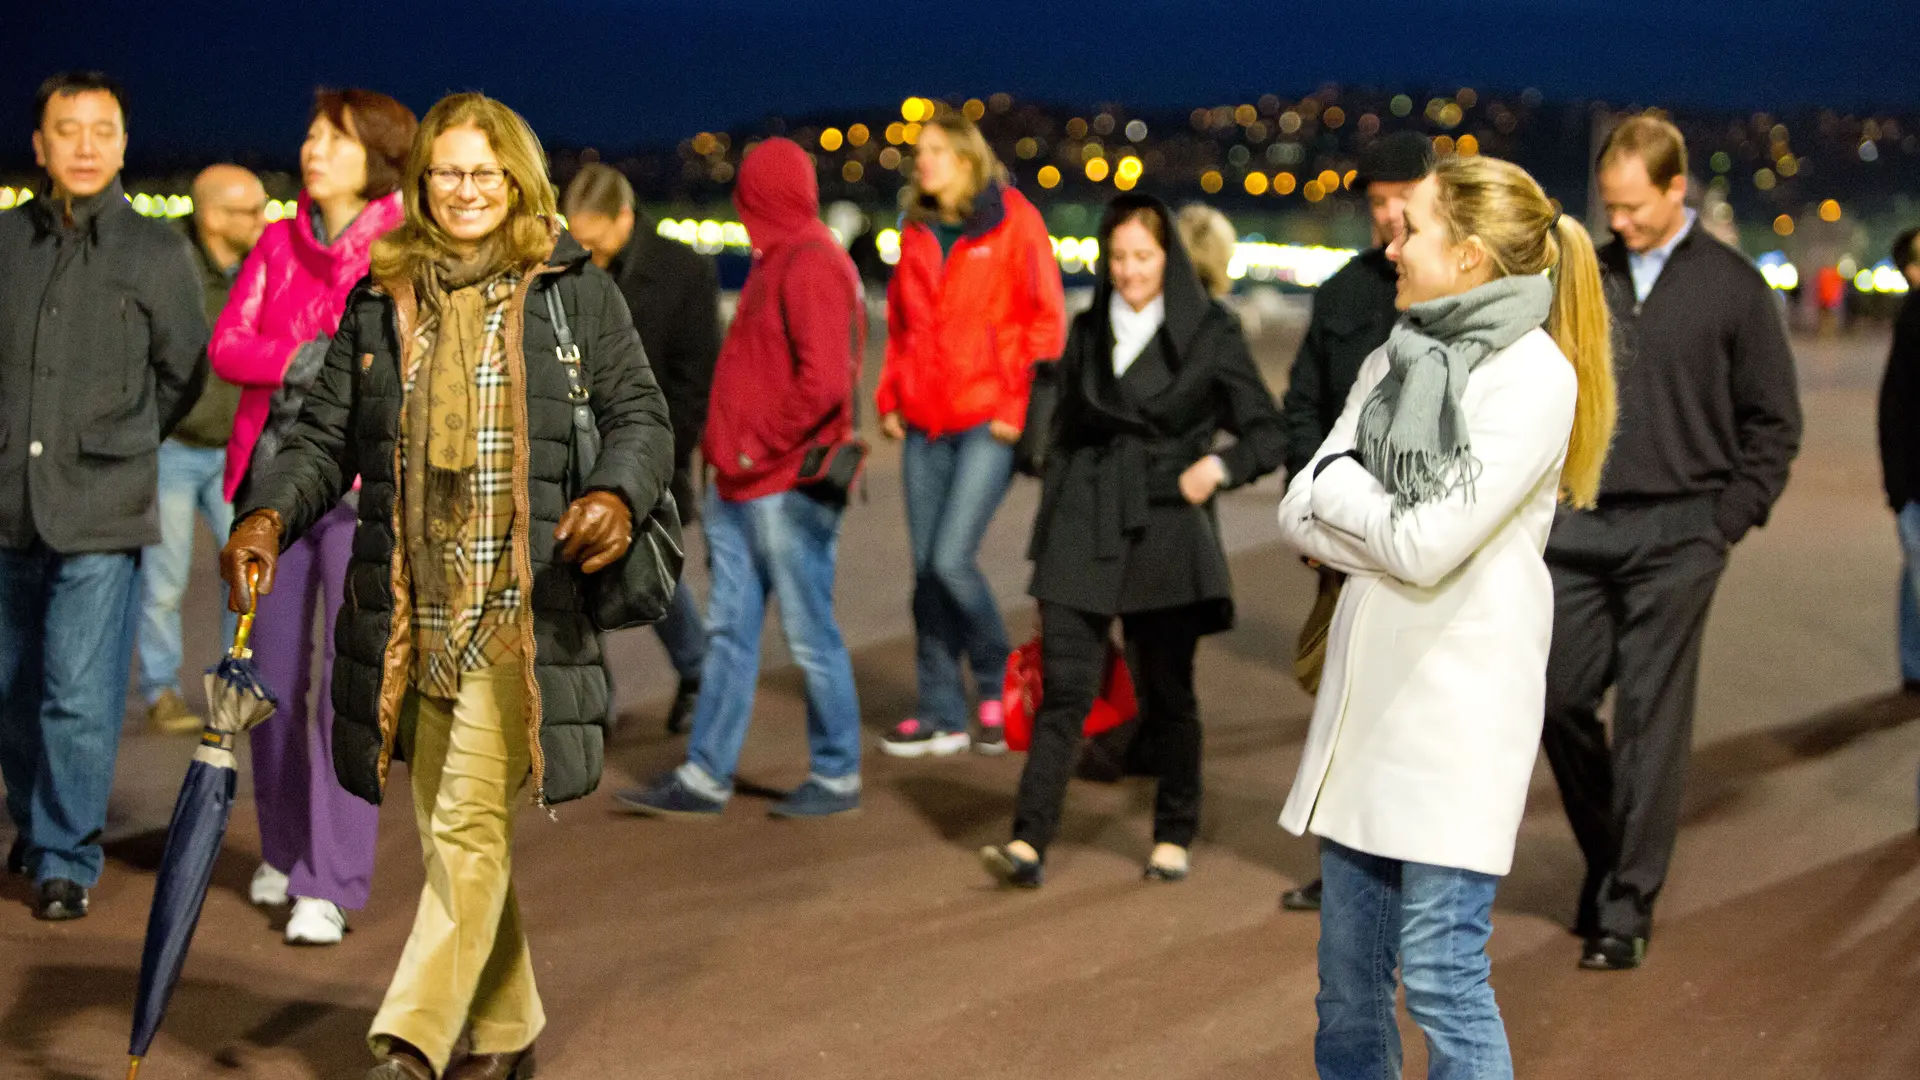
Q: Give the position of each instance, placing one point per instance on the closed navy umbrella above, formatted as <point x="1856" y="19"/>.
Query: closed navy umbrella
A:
<point x="236" y="700"/>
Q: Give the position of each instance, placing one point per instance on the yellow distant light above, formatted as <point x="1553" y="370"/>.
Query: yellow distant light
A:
<point x="1334" y="117"/>
<point x="1468" y="146"/>
<point x="1764" y="180"/>
<point x="1314" y="192"/>
<point x="1329" y="180"/>
<point x="896" y="133"/>
<point x="1049" y="177"/>
<point x="1027" y="148"/>
<point x="1256" y="183"/>
<point x="890" y="158"/>
<point x="1097" y="169"/>
<point x="1443" y="145"/>
<point x="852" y="171"/>
<point x="704" y="144"/>
<point x="1131" y="168"/>
<point x="857" y="135"/>
<point x="1211" y="182"/>
<point x="1783" y="225"/>
<point x="1245" y="114"/>
<point x="1124" y="183"/>
<point x="831" y="140"/>
<point x="1347" y="180"/>
<point x="1830" y="210"/>
<point x="1284" y="183"/>
<point x="911" y="134"/>
<point x="911" y="110"/>
<point x="974" y="109"/>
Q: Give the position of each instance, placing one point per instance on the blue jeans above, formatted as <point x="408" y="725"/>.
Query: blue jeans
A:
<point x="66" y="629"/>
<point x="1909" y="523"/>
<point x="1433" y="920"/>
<point x="191" y="481"/>
<point x="683" y="634"/>
<point x="782" y="545"/>
<point x="954" y="484"/>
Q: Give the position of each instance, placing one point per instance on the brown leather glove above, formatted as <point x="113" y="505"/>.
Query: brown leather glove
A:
<point x="255" y="543"/>
<point x="595" y="531"/>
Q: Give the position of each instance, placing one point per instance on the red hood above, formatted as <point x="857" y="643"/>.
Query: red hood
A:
<point x="778" y="196"/>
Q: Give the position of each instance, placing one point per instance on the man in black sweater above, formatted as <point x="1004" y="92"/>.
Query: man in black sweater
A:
<point x="675" y="299"/>
<point x="1709" y="424"/>
<point x="1900" y="448"/>
<point x="1352" y="313"/>
<point x="102" y="352"/>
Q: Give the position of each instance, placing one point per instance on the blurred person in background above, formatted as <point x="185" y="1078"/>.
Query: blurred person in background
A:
<point x="1900" y="449"/>
<point x="675" y="300"/>
<point x="1352" y="313"/>
<point x="484" y="564"/>
<point x="317" y="841"/>
<point x="1126" y="529"/>
<point x="229" y="212"/>
<point x="1709" y="427"/>
<point x="1209" y="239"/>
<point x="975" y="301"/>
<point x="102" y="341"/>
<point x="783" y="391"/>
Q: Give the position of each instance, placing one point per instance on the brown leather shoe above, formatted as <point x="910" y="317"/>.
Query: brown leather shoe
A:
<point x="169" y="715"/>
<point x="402" y="1062"/>
<point x="516" y="1066"/>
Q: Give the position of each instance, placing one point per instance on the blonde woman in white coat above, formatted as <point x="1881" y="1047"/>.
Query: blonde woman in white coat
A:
<point x="1492" y="401"/>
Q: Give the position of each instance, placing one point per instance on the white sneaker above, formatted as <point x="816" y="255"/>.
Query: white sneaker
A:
<point x="269" y="888"/>
<point x="316" y="922"/>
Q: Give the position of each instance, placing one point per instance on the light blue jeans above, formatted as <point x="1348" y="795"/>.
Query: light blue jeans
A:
<point x="190" y="486"/>
<point x="783" y="546"/>
<point x="1909" y="523"/>
<point x="1433" y="921"/>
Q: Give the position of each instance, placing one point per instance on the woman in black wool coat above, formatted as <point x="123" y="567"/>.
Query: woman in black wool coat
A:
<point x="1152" y="373"/>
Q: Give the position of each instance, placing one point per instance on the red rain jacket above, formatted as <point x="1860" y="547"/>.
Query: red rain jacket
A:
<point x="963" y="332"/>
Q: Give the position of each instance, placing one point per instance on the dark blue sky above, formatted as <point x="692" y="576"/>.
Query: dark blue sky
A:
<point x="221" y="77"/>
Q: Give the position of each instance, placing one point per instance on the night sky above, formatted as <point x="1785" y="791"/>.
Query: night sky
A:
<point x="213" y="79"/>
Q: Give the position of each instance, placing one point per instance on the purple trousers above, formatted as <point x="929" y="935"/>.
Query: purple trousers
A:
<point x="310" y="829"/>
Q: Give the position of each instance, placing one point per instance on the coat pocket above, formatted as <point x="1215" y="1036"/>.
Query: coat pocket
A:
<point x="120" y="441"/>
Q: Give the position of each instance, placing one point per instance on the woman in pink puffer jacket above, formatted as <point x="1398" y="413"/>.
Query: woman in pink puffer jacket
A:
<point x="316" y="840"/>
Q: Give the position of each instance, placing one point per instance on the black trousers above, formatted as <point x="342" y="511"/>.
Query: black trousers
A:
<point x="1073" y="655"/>
<point x="1632" y="586"/>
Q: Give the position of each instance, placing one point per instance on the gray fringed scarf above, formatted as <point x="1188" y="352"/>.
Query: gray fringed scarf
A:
<point x="1413" y="434"/>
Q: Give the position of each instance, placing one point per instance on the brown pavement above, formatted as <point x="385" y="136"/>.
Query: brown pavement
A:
<point x="1788" y="945"/>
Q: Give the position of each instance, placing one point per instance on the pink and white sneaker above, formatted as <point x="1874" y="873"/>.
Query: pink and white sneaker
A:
<point x="992" y="740"/>
<point x="911" y="738"/>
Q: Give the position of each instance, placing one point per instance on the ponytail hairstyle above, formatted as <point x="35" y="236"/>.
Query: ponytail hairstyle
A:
<point x="1524" y="232"/>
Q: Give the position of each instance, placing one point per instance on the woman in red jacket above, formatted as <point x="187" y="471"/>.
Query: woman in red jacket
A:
<point x="975" y="301"/>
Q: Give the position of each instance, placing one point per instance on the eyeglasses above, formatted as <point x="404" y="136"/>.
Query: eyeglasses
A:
<point x="488" y="179"/>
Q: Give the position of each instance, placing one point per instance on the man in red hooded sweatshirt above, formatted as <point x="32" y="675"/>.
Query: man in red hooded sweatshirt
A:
<point x="783" y="386"/>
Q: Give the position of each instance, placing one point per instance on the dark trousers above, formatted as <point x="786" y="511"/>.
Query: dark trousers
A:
<point x="1073" y="666"/>
<point x="1632" y="585"/>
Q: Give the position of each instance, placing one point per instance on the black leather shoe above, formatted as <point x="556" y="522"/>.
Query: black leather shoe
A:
<point x="60" y="900"/>
<point x="1010" y="869"/>
<point x="1611" y="952"/>
<point x="17" y="856"/>
<point x="1304" y="898"/>
<point x="494" y="1067"/>
<point x="680" y="717"/>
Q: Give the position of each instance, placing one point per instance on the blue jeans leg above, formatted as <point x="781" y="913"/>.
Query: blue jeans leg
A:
<point x="954" y="486"/>
<point x="1909" y="525"/>
<point x="736" y="609"/>
<point x="684" y="634"/>
<point x="799" y="542"/>
<point x="190" y="481"/>
<point x="60" y="750"/>
<point x="1358" y="1037"/>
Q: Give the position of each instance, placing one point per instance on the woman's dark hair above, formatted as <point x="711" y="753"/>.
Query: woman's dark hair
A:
<point x="1141" y="208"/>
<point x="69" y="83"/>
<point x="379" y="123"/>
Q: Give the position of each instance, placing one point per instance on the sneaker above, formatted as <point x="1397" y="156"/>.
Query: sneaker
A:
<point x="169" y="715"/>
<point x="680" y="717"/>
<point x="60" y="900"/>
<point x="670" y="797"/>
<point x="992" y="740"/>
<point x="910" y="739"/>
<point x="1169" y="863"/>
<point x="269" y="887"/>
<point x="814" y="799"/>
<point x="1010" y="869"/>
<point x="316" y="922"/>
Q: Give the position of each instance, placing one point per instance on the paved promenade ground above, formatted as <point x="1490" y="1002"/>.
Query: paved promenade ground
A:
<point x="1788" y="945"/>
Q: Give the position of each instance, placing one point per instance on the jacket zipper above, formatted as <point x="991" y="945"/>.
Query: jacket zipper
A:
<point x="522" y="532"/>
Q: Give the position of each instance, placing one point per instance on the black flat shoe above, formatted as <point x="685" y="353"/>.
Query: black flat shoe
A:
<point x="1611" y="952"/>
<point x="680" y="716"/>
<point x="1010" y="869"/>
<point x="60" y="900"/>
<point x="1304" y="898"/>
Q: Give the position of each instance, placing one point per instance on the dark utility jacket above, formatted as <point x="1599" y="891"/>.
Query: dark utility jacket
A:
<point x="102" y="351"/>
<point x="1113" y="534"/>
<point x="675" y="299"/>
<point x="1709" y="402"/>
<point x="1900" y="408"/>
<point x="350" y="424"/>
<point x="1352" y="314"/>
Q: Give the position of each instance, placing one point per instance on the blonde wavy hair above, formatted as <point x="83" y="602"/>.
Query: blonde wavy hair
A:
<point x="971" y="146"/>
<point x="524" y="239"/>
<point x="1209" y="238"/>
<point x="1524" y="232"/>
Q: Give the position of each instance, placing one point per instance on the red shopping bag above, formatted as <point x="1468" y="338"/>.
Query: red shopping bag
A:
<point x="1020" y="696"/>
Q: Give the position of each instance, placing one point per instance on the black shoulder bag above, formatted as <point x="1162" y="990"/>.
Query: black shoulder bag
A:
<point x="638" y="588"/>
<point x="828" y="471"/>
